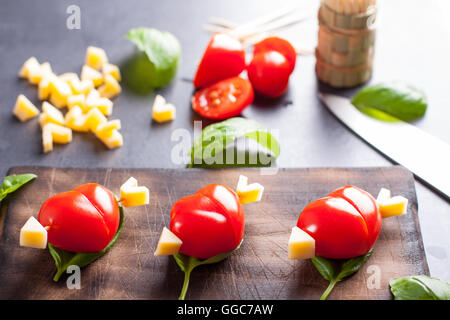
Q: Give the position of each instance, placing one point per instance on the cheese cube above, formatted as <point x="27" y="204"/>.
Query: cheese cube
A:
<point x="59" y="133"/>
<point x="31" y="64"/>
<point x="394" y="206"/>
<point x="114" y="141"/>
<point x="112" y="70"/>
<point x="111" y="88"/>
<point x="162" y="111"/>
<point x="248" y="192"/>
<point x="60" y="93"/>
<point x="81" y="87"/>
<point x="36" y="74"/>
<point x="33" y="234"/>
<point x="69" y="77"/>
<point x="383" y="195"/>
<point x="87" y="73"/>
<point x="94" y="118"/>
<point x="77" y="100"/>
<point x="105" y="130"/>
<point x="103" y="104"/>
<point x="76" y="120"/>
<point x="95" y="57"/>
<point x="24" y="109"/>
<point x="53" y="114"/>
<point x="44" y="88"/>
<point x="43" y="120"/>
<point x="47" y="140"/>
<point x="168" y="244"/>
<point x="132" y="195"/>
<point x="130" y="183"/>
<point x="301" y="245"/>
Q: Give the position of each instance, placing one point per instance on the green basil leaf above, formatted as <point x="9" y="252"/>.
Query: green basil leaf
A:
<point x="187" y="264"/>
<point x="162" y="51"/>
<point x="63" y="259"/>
<point x="419" y="288"/>
<point x="391" y="101"/>
<point x="209" y="150"/>
<point x="14" y="182"/>
<point x="335" y="270"/>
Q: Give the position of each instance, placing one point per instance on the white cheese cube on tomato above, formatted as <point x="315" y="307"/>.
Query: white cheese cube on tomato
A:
<point x="88" y="73"/>
<point x="383" y="195"/>
<point x="301" y="245"/>
<point x="111" y="88"/>
<point x="248" y="192"/>
<point x="24" y="109"/>
<point x="33" y="234"/>
<point x="168" y="244"/>
<point x="112" y="70"/>
<point x="95" y="57"/>
<point x="394" y="206"/>
<point x="59" y="133"/>
<point x="31" y="64"/>
<point x="53" y="114"/>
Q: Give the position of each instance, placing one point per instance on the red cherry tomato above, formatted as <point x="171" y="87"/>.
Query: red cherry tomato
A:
<point x="209" y="222"/>
<point x="224" y="99"/>
<point x="269" y="73"/>
<point x="277" y="44"/>
<point x="345" y="224"/>
<point x="224" y="57"/>
<point x="82" y="220"/>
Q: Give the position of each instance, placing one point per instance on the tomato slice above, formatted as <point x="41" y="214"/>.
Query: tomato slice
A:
<point x="224" y="57"/>
<point x="224" y="99"/>
<point x="277" y="44"/>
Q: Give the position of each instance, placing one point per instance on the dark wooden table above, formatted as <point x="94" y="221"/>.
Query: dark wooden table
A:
<point x="412" y="45"/>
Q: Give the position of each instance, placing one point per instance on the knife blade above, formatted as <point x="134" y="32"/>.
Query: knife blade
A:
<point x="421" y="153"/>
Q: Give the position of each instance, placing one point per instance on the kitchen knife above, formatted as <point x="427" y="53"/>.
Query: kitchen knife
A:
<point x="423" y="154"/>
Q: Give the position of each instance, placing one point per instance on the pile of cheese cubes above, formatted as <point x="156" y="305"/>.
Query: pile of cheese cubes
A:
<point x="87" y="99"/>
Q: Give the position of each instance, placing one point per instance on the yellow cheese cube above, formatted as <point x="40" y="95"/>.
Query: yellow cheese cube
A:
<point x="36" y="74"/>
<point x="94" y="118"/>
<point x="43" y="120"/>
<point x="111" y="88"/>
<point x="33" y="234"/>
<point x="114" y="141"/>
<point x="248" y="192"/>
<point x="24" y="109"/>
<point x="76" y="120"/>
<point x="59" y="133"/>
<point x="112" y="70"/>
<point x="69" y="77"/>
<point x="103" y="104"/>
<point x="133" y="195"/>
<point x="60" y="93"/>
<point x="162" y="111"/>
<point x="53" y="114"/>
<point x="81" y="87"/>
<point x="31" y="64"/>
<point x="47" y="140"/>
<point x="168" y="244"/>
<point x="394" y="206"/>
<point x="95" y="57"/>
<point x="301" y="245"/>
<point x="383" y="195"/>
<point x="77" y="100"/>
<point x="105" y="130"/>
<point x="87" y="73"/>
<point x="44" y="88"/>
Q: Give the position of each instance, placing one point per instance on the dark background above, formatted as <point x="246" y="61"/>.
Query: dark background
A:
<point x="412" y="45"/>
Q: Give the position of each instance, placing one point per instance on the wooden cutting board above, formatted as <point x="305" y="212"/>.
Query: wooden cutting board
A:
<point x="258" y="270"/>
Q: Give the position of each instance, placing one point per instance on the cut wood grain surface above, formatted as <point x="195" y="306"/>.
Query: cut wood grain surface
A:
<point x="260" y="269"/>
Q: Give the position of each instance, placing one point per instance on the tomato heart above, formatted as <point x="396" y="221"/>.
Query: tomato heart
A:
<point x="82" y="220"/>
<point x="209" y="222"/>
<point x="345" y="224"/>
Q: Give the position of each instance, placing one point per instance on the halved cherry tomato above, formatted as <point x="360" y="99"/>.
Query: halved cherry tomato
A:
<point x="277" y="44"/>
<point x="209" y="222"/>
<point x="269" y="73"/>
<point x="224" y="57"/>
<point x="345" y="224"/>
<point x="82" y="220"/>
<point x="224" y="99"/>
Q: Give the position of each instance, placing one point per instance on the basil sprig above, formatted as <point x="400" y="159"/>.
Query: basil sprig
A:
<point x="187" y="264"/>
<point x="209" y="150"/>
<point x="64" y="259"/>
<point x="419" y="288"/>
<point x="391" y="101"/>
<point x="157" y="62"/>
<point x="14" y="182"/>
<point x="335" y="270"/>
